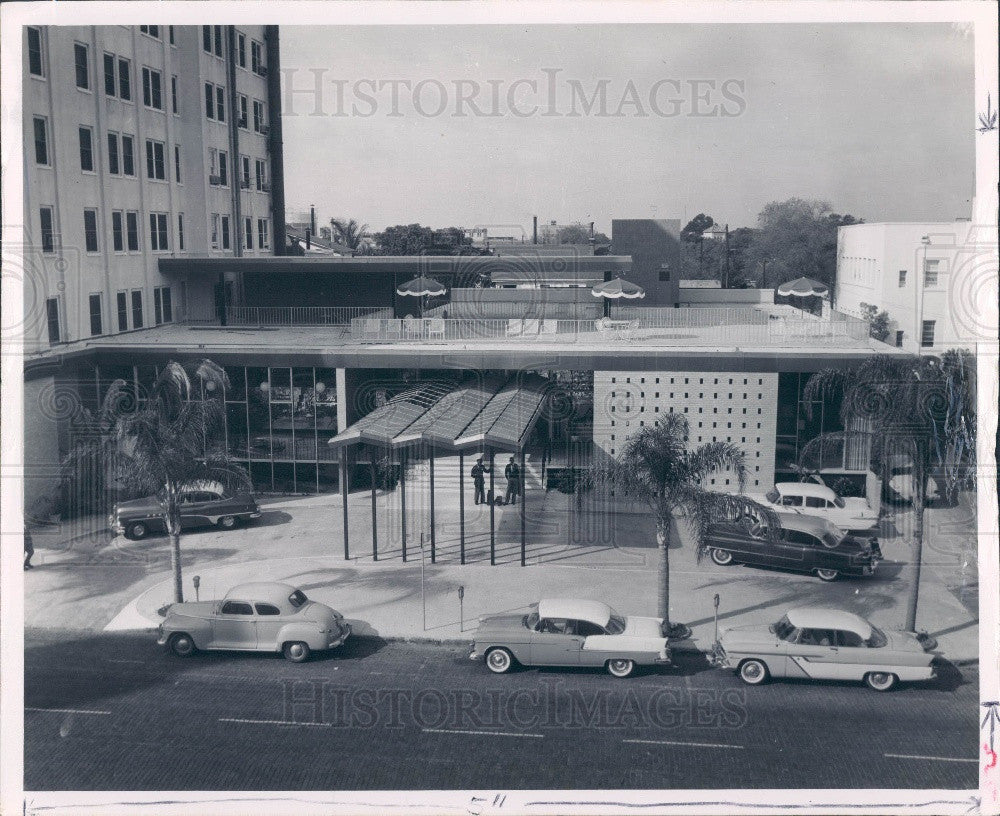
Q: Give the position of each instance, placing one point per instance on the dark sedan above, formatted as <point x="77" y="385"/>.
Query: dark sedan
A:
<point x="202" y="505"/>
<point x="804" y="544"/>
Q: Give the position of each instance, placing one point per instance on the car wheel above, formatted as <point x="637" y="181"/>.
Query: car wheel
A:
<point x="827" y="574"/>
<point x="228" y="522"/>
<point x="881" y="681"/>
<point x="620" y="667"/>
<point x="499" y="661"/>
<point x="182" y="645"/>
<point x="722" y="557"/>
<point x="753" y="672"/>
<point x="137" y="530"/>
<point x="296" y="651"/>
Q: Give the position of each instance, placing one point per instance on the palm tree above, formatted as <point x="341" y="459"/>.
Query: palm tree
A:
<point x="351" y="234"/>
<point x="167" y="441"/>
<point x="655" y="467"/>
<point x="921" y="409"/>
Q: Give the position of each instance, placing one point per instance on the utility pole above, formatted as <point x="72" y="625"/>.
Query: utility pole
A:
<point x="725" y="283"/>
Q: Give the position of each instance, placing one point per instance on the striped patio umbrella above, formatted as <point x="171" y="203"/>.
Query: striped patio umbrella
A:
<point x="615" y="290"/>
<point x="421" y="287"/>
<point x="803" y="287"/>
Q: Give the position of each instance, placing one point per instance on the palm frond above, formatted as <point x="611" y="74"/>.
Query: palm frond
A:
<point x="715" y="456"/>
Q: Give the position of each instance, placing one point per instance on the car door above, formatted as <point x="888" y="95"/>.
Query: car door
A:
<point x="193" y="509"/>
<point x="818" y="506"/>
<point x="736" y="538"/>
<point x="234" y="627"/>
<point x="814" y="655"/>
<point x="555" y="643"/>
<point x="789" y="550"/>
<point x="594" y="656"/>
<point x="855" y="657"/>
<point x="269" y="622"/>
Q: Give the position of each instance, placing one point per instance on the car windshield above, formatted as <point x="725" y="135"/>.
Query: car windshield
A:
<point x="531" y="620"/>
<point x="783" y="629"/>
<point x="773" y="496"/>
<point x="877" y="640"/>
<point x="839" y="502"/>
<point x="297" y="598"/>
<point x="615" y="625"/>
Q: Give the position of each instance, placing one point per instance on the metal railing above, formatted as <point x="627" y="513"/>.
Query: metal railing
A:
<point x="302" y="315"/>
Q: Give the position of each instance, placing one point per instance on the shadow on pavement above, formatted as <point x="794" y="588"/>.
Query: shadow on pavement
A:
<point x="271" y="518"/>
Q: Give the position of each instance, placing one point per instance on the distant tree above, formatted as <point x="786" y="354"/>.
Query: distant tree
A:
<point x="878" y="322"/>
<point x="693" y="235"/>
<point x="404" y="239"/>
<point x="349" y="232"/>
<point x="796" y="238"/>
<point x="579" y="234"/>
<point x="295" y="248"/>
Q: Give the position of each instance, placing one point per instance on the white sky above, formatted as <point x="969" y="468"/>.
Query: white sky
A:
<point x="877" y="119"/>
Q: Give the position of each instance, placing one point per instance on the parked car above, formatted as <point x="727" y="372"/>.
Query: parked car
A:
<point x="565" y="632"/>
<point x="826" y="644"/>
<point x="804" y="544"/>
<point x="811" y="499"/>
<point x="256" y="617"/>
<point x="203" y="504"/>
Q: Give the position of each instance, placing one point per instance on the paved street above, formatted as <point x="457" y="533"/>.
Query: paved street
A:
<point x="114" y="711"/>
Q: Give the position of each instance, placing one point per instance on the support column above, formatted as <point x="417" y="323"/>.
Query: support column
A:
<point x="343" y="497"/>
<point x="374" y="511"/>
<point x="492" y="497"/>
<point x="461" y="507"/>
<point x="433" y="534"/>
<point x="402" y="496"/>
<point x="524" y="502"/>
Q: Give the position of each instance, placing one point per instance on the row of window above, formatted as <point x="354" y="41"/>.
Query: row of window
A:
<point x="701" y="380"/>
<point x="215" y="109"/>
<point x="128" y="309"/>
<point x="932" y="269"/>
<point x="212" y="43"/>
<point x="220" y="236"/>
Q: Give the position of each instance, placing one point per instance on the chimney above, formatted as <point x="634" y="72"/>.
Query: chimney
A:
<point x="534" y="229"/>
<point x="308" y="239"/>
<point x="312" y="218"/>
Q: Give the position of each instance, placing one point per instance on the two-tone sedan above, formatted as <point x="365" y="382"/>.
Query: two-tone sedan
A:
<point x="202" y="504"/>
<point x="848" y="513"/>
<point x="567" y="632"/>
<point x="826" y="644"/>
<point x="264" y="616"/>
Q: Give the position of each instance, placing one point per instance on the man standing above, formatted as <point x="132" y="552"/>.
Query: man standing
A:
<point x="479" y="470"/>
<point x="513" y="474"/>
<point x="29" y="550"/>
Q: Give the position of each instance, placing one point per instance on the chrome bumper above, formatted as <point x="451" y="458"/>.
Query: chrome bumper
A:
<point x="718" y="657"/>
<point x="337" y="640"/>
<point x="473" y="654"/>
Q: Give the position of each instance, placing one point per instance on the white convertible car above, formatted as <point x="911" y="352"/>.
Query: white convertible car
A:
<point x="825" y="644"/>
<point x="565" y="632"/>
<point x="853" y="515"/>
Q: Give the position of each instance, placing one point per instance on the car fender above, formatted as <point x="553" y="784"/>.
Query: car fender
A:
<point x="199" y="629"/>
<point x="520" y="650"/>
<point x="633" y="648"/>
<point x="308" y="633"/>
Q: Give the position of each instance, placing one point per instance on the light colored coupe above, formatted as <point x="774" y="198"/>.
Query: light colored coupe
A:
<point x="256" y="617"/>
<point x="825" y="644"/>
<point x="567" y="632"/>
<point x="848" y="513"/>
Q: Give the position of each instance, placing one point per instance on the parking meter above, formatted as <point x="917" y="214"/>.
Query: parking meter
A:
<point x="197" y="583"/>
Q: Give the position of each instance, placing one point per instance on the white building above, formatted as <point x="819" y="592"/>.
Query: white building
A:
<point x="923" y="275"/>
<point x="142" y="143"/>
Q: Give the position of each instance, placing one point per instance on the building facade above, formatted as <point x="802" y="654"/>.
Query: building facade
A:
<point x="142" y="143"/>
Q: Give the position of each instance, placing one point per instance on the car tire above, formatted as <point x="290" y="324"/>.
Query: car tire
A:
<point x="881" y="681"/>
<point x="182" y="644"/>
<point x="296" y="651"/>
<point x="753" y="672"/>
<point x="827" y="574"/>
<point x="721" y="557"/>
<point x="137" y="530"/>
<point x="228" y="522"/>
<point x="620" y="667"/>
<point x="499" y="661"/>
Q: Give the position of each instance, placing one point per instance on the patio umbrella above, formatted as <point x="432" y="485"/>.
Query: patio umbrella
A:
<point x="421" y="287"/>
<point x="803" y="287"/>
<point x="616" y="289"/>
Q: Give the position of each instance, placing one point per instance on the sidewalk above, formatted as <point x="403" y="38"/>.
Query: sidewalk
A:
<point x="121" y="585"/>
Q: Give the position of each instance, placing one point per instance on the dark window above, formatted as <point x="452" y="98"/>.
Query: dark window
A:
<point x="86" y="149"/>
<point x="257" y="57"/>
<point x="128" y="155"/>
<point x="168" y="310"/>
<point x="225" y="232"/>
<point x="48" y="233"/>
<point x="791" y="501"/>
<point x="586" y="629"/>
<point x="209" y="100"/>
<point x="132" y="230"/>
<point x="118" y="231"/>
<point x="177" y="163"/>
<point x="35" y="52"/>
<point x="124" y="79"/>
<point x="816" y="501"/>
<point x="927" y="333"/>
<point x="248" y="232"/>
<point x="52" y="318"/>
<point x="206" y="38"/>
<point x="158" y="232"/>
<point x="223" y="168"/>
<point x="158" y="319"/>
<point x="180" y="230"/>
<point x="41" y="141"/>
<point x="154" y="160"/>
<point x="174" y="104"/>
<point x="114" y="166"/>
<point x="817" y="637"/>
<point x="136" y="309"/>
<point x="95" y="315"/>
<point x="664" y="272"/>
<point x="121" y="301"/>
<point x="152" y="89"/>
<point x="850" y="639"/>
<point x="902" y="277"/>
<point x="799" y="537"/>
<point x="217" y="36"/>
<point x="82" y="60"/>
<point x="267" y="609"/>
<point x="241" y="50"/>
<point x="170" y="34"/>
<point x="151" y="31"/>
<point x="236" y="608"/>
<point x="557" y="626"/>
<point x="220" y="103"/>
<point x="90" y="230"/>
<point x="243" y="108"/>
<point x="110" y="85"/>
<point x="899" y="339"/>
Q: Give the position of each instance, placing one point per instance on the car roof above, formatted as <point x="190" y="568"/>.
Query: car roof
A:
<point x="815" y="618"/>
<point x="269" y="591"/>
<point x="593" y="611"/>
<point x="805" y="523"/>
<point x="805" y="489"/>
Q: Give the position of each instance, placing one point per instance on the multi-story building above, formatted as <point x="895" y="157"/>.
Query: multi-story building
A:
<point x="923" y="275"/>
<point x="142" y="143"/>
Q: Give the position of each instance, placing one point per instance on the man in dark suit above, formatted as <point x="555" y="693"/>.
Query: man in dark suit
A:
<point x="479" y="471"/>
<point x="513" y="474"/>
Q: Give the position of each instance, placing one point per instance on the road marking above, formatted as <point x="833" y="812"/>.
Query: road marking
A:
<point x="270" y="722"/>
<point x="935" y="758"/>
<point x="689" y="744"/>
<point x="115" y="660"/>
<point x="480" y="733"/>
<point x="66" y="710"/>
